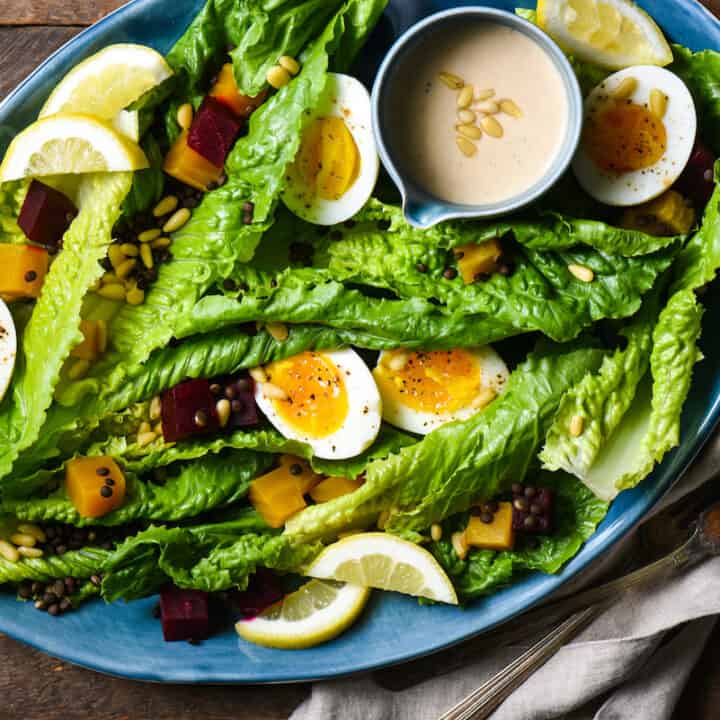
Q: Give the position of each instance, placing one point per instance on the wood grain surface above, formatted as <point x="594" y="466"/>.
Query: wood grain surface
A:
<point x="35" y="686"/>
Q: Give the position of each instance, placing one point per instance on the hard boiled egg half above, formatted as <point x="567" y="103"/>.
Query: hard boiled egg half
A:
<point x="422" y="390"/>
<point x="328" y="400"/>
<point x="8" y="348"/>
<point x="639" y="132"/>
<point x="336" y="168"/>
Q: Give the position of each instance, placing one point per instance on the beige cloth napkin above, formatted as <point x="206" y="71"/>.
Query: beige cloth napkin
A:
<point x="631" y="663"/>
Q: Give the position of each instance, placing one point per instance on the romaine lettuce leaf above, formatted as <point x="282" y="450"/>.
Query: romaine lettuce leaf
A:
<point x="190" y="489"/>
<point x="75" y="563"/>
<point x="577" y="514"/>
<point x="53" y="329"/>
<point x="12" y="195"/>
<point x="459" y="463"/>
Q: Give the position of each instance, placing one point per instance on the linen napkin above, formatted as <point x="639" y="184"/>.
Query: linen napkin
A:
<point x="631" y="663"/>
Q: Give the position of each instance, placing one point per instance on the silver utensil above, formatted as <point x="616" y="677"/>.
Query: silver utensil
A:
<point x="585" y="606"/>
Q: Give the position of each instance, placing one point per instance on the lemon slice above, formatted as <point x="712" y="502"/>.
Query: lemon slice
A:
<point x="319" y="611"/>
<point x="107" y="82"/>
<point x="69" y="143"/>
<point x="383" y="561"/>
<point x="612" y="33"/>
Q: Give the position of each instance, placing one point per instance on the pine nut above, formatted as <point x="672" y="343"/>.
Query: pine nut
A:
<point x="23" y="539"/>
<point x="258" y="374"/>
<point x="31" y="529"/>
<point x="278" y="331"/>
<point x="30" y="552"/>
<point x="185" y="116"/>
<point x="161" y="242"/>
<point x="658" y="103"/>
<point x="510" y="107"/>
<point x="223" y="410"/>
<point x="625" y="89"/>
<point x="157" y="429"/>
<point x="466" y="117"/>
<point x="459" y="544"/>
<point x="124" y="269"/>
<point x="492" y="127"/>
<point x="129" y="249"/>
<point x="109" y="278"/>
<point x="465" y="97"/>
<point x="9" y="552"/>
<point x="398" y="361"/>
<point x="485" y="94"/>
<point x="382" y="520"/>
<point x="146" y="256"/>
<point x="466" y="147"/>
<point x="150" y="235"/>
<point x="112" y="292"/>
<point x="144" y="427"/>
<point x="79" y="368"/>
<point x="436" y="532"/>
<point x="273" y="392"/>
<point x="452" y="81"/>
<point x="290" y="64"/>
<point x="102" y="336"/>
<point x="116" y="255"/>
<point x="155" y="408"/>
<point x="165" y="206"/>
<point x="489" y="108"/>
<point x="176" y="220"/>
<point x="484" y="397"/>
<point x="469" y="131"/>
<point x="582" y="273"/>
<point x="135" y="296"/>
<point x="145" y="438"/>
<point x="278" y="77"/>
<point x="577" y="425"/>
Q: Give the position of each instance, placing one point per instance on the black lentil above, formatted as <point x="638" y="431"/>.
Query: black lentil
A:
<point x="229" y="284"/>
<point x="296" y="469"/>
<point x="450" y="273"/>
<point x="106" y="492"/>
<point x="421" y="267"/>
<point x="103" y="471"/>
<point x="201" y="418"/>
<point x="30" y="276"/>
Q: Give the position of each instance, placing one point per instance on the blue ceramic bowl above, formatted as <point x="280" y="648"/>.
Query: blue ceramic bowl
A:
<point x="124" y="639"/>
<point x="421" y="208"/>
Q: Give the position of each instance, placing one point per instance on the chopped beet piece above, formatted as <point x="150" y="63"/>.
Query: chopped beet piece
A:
<point x="533" y="509"/>
<point x="214" y="131"/>
<point x="696" y="181"/>
<point x="45" y="216"/>
<point x="184" y="614"/>
<point x="263" y="590"/>
<point x="188" y="409"/>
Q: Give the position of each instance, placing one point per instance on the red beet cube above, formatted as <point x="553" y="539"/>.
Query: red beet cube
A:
<point x="184" y="614"/>
<point x="45" y="215"/>
<point x="188" y="409"/>
<point x="213" y="131"/>
<point x="533" y="509"/>
<point x="697" y="181"/>
<point x="263" y="590"/>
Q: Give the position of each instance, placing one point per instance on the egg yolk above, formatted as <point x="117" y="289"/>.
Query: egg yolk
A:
<point x="624" y="137"/>
<point x="328" y="160"/>
<point x="317" y="403"/>
<point x="431" y="382"/>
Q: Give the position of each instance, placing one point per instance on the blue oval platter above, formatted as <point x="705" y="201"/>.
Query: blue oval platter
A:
<point x="125" y="639"/>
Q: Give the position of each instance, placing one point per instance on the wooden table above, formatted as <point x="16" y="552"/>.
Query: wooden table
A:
<point x="34" y="686"/>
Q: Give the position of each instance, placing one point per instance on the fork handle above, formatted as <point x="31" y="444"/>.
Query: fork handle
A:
<point x="483" y="701"/>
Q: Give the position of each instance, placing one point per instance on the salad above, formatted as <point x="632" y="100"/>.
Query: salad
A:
<point x="233" y="373"/>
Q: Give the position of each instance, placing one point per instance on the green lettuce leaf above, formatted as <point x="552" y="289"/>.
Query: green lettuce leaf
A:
<point x="12" y="196"/>
<point x="75" y="563"/>
<point x="459" y="463"/>
<point x="53" y="329"/>
<point x="191" y="489"/>
<point x="577" y="514"/>
<point x="206" y="557"/>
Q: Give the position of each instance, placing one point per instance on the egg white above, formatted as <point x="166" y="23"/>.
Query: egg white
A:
<point x="346" y="98"/>
<point x="8" y="348"/>
<point x="362" y="422"/>
<point x="493" y="375"/>
<point x="680" y="120"/>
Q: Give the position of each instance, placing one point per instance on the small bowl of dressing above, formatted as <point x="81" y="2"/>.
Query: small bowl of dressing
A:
<point x="476" y="113"/>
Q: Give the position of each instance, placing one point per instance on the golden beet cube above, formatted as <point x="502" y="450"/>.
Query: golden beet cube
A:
<point x="189" y="167"/>
<point x="495" y="535"/>
<point x="302" y="472"/>
<point x="23" y="271"/>
<point x="476" y="260"/>
<point x="95" y="485"/>
<point x="334" y="487"/>
<point x="668" y="214"/>
<point x="277" y="496"/>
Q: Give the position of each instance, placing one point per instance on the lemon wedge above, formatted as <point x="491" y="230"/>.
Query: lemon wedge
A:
<point x="319" y="611"/>
<point x="70" y="143"/>
<point x="105" y="84"/>
<point x="384" y="561"/>
<point x="612" y="33"/>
